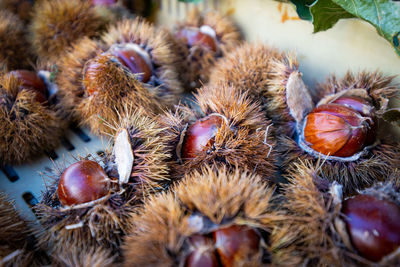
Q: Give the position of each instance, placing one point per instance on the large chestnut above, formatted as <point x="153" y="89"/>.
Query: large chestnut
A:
<point x="203" y="252"/>
<point x="373" y="225"/>
<point x="336" y="130"/>
<point x="29" y="80"/>
<point x="194" y="36"/>
<point x="236" y="243"/>
<point x="132" y="57"/>
<point x="82" y="182"/>
<point x="200" y="136"/>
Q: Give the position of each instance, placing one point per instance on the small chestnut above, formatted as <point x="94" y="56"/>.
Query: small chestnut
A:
<point x="373" y="225"/>
<point x="82" y="182"/>
<point x="31" y="81"/>
<point x="195" y="36"/>
<point x="135" y="59"/>
<point x="336" y="130"/>
<point x="200" y="136"/>
<point x="203" y="254"/>
<point x="92" y="69"/>
<point x="236" y="243"/>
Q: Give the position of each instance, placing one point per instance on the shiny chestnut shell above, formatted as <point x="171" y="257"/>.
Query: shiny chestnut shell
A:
<point x="193" y="36"/>
<point x="373" y="225"/>
<point x="236" y="243"/>
<point x="336" y="130"/>
<point x="29" y="80"/>
<point x="366" y="109"/>
<point x="200" y="136"/>
<point x="135" y="62"/>
<point x="82" y="182"/>
<point x="203" y="252"/>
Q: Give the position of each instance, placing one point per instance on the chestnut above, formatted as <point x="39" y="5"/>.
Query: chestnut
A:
<point x="31" y="81"/>
<point x="82" y="182"/>
<point x="373" y="225"/>
<point x="200" y="136"/>
<point x="135" y="59"/>
<point x="336" y="130"/>
<point x="93" y="68"/>
<point x="198" y="36"/>
<point x="366" y="109"/>
<point x="236" y="243"/>
<point x="203" y="254"/>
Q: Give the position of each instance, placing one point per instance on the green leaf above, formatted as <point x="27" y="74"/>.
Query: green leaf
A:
<point x="190" y="1"/>
<point x="326" y="13"/>
<point x="303" y="8"/>
<point x="384" y="15"/>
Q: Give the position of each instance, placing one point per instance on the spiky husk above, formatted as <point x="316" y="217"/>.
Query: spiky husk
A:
<point x="197" y="61"/>
<point x="373" y="166"/>
<point x="102" y="223"/>
<point x="28" y="128"/>
<point x="313" y="212"/>
<point x="150" y="170"/>
<point x="263" y="71"/>
<point x="246" y="139"/>
<point x="78" y="257"/>
<point x="164" y="223"/>
<point x="16" y="246"/>
<point x="14" y="46"/>
<point x="164" y="81"/>
<point x="57" y="24"/>
<point x="377" y="85"/>
<point x="21" y="8"/>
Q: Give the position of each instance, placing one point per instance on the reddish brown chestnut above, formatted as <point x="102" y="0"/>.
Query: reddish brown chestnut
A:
<point x="82" y="182"/>
<point x="200" y="136"/>
<point x="194" y="36"/>
<point x="336" y="130"/>
<point x="129" y="56"/>
<point x="92" y="69"/>
<point x="236" y="243"/>
<point x="203" y="254"/>
<point x="373" y="225"/>
<point x="32" y="82"/>
<point x="366" y="109"/>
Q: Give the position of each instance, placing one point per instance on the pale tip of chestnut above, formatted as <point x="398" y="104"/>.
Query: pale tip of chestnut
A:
<point x="208" y="30"/>
<point x="124" y="156"/>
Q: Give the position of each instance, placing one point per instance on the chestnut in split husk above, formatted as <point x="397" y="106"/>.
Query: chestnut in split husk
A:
<point x="14" y="47"/>
<point x="233" y="224"/>
<point x="200" y="40"/>
<point x="333" y="230"/>
<point x="342" y="130"/>
<point x="88" y="204"/>
<point x="30" y="124"/>
<point x="228" y="129"/>
<point x="133" y="63"/>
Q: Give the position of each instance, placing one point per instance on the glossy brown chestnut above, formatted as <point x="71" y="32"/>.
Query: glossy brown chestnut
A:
<point x="336" y="130"/>
<point x="373" y="225"/>
<point x="82" y="182"/>
<point x="193" y="36"/>
<point x="203" y="254"/>
<point x="32" y="82"/>
<point x="200" y="136"/>
<point x="236" y="243"/>
<point x="135" y="62"/>
<point x="366" y="109"/>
